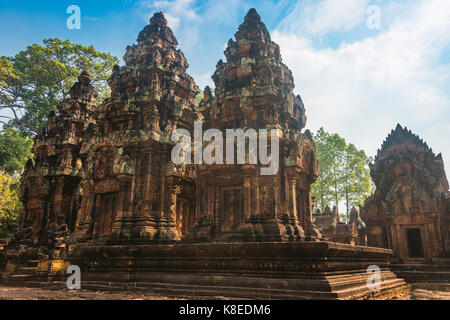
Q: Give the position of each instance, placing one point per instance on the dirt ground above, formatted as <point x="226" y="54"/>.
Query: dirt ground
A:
<point x="10" y="293"/>
<point x="423" y="294"/>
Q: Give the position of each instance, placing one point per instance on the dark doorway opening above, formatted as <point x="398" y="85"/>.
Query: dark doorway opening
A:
<point x="107" y="214"/>
<point x="415" y="246"/>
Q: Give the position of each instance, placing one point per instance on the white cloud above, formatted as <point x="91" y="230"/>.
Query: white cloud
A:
<point x="320" y="17"/>
<point x="362" y="90"/>
<point x="173" y="21"/>
<point x="225" y="12"/>
<point x="181" y="16"/>
<point x="178" y="8"/>
<point x="204" y="80"/>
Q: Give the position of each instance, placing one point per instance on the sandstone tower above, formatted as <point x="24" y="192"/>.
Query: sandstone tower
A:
<point x="254" y="90"/>
<point x="131" y="192"/>
<point x="50" y="184"/>
<point x="103" y="185"/>
<point x="409" y="211"/>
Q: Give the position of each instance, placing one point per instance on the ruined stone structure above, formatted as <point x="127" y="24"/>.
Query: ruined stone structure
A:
<point x="128" y="189"/>
<point x="103" y="185"/>
<point x="131" y="190"/>
<point x="51" y="182"/>
<point x="353" y="232"/>
<point x="409" y="211"/>
<point x="254" y="90"/>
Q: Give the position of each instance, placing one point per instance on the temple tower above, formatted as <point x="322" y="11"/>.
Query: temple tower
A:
<point x="409" y="210"/>
<point x="131" y="190"/>
<point x="254" y="90"/>
<point x="50" y="189"/>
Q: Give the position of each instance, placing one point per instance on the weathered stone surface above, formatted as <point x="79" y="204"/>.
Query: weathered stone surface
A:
<point x="131" y="190"/>
<point x="127" y="208"/>
<point x="409" y="211"/>
<point x="50" y="189"/>
<point x="254" y="90"/>
<point x="284" y="270"/>
<point x="353" y="232"/>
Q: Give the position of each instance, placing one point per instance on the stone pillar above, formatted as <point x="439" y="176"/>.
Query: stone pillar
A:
<point x="148" y="196"/>
<point x="258" y="200"/>
<point x="125" y="197"/>
<point x="293" y="199"/>
<point x="247" y="197"/>
<point x="174" y="191"/>
<point x="57" y="201"/>
<point x="308" y="204"/>
<point x="98" y="208"/>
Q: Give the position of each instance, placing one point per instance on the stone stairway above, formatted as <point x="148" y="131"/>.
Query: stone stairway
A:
<point x="27" y="275"/>
<point x="297" y="270"/>
<point x="423" y="273"/>
<point x="26" y="271"/>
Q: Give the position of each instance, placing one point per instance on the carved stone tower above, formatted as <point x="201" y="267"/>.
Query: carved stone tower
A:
<point x="131" y="191"/>
<point x="51" y="182"/>
<point x="254" y="90"/>
<point x="408" y="212"/>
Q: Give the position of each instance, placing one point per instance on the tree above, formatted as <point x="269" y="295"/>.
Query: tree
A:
<point x="357" y="184"/>
<point x="36" y="80"/>
<point x="6" y="71"/>
<point x="322" y="188"/>
<point x="10" y="205"/>
<point x="344" y="173"/>
<point x="15" y="150"/>
<point x="330" y="153"/>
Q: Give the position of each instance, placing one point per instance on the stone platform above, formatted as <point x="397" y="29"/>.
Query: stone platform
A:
<point x="296" y="270"/>
<point x="435" y="274"/>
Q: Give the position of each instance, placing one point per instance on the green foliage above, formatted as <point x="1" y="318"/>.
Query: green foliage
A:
<point x="10" y="206"/>
<point x="6" y="71"/>
<point x="344" y="172"/>
<point x="36" y="80"/>
<point x="33" y="83"/>
<point x="199" y="98"/>
<point x="15" y="150"/>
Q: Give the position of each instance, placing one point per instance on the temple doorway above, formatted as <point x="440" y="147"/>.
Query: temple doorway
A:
<point x="231" y="210"/>
<point x="415" y="246"/>
<point x="107" y="214"/>
<point x="185" y="217"/>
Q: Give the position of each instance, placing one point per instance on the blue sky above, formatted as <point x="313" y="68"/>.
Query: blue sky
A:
<point x="355" y="81"/>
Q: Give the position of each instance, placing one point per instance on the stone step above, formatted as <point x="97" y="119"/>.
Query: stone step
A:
<point x="189" y="291"/>
<point x="424" y="276"/>
<point x="420" y="267"/>
<point x="343" y="290"/>
<point x="423" y="273"/>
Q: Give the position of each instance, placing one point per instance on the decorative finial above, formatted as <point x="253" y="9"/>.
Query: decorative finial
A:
<point x="158" y="19"/>
<point x="252" y="15"/>
<point x="85" y="77"/>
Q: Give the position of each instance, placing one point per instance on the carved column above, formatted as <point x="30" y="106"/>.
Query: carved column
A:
<point x="173" y="233"/>
<point x="247" y="197"/>
<point x="174" y="191"/>
<point x="97" y="212"/>
<point x="293" y="199"/>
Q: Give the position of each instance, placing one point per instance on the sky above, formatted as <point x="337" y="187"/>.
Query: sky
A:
<point x="356" y="78"/>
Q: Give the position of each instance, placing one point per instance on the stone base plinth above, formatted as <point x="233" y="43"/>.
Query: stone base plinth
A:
<point x="424" y="273"/>
<point x="271" y="270"/>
